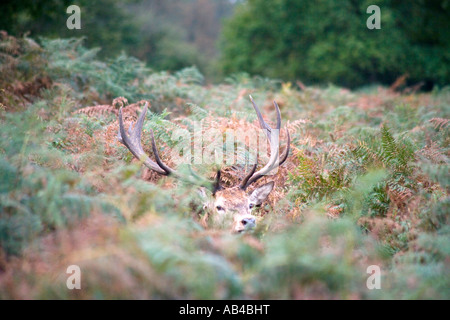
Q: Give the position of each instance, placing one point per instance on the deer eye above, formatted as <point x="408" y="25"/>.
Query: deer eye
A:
<point x="219" y="208"/>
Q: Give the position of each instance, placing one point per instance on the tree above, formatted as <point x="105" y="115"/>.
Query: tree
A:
<point x="104" y="23"/>
<point x="167" y="34"/>
<point x="328" y="41"/>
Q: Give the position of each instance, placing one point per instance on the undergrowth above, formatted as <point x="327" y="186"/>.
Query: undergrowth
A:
<point x="366" y="184"/>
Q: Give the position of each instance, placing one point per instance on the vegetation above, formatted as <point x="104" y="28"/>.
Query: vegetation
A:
<point x="316" y="42"/>
<point x="328" y="41"/>
<point x="165" y="34"/>
<point x="366" y="183"/>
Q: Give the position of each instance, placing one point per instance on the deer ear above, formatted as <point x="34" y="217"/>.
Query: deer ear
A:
<point x="260" y="194"/>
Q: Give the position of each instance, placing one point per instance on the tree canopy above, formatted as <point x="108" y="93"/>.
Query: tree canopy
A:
<point x="328" y="41"/>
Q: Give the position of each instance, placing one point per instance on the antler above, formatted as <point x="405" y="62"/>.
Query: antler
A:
<point x="132" y="141"/>
<point x="274" y="161"/>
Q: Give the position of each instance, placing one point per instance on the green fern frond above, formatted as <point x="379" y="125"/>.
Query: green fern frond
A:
<point x="198" y="112"/>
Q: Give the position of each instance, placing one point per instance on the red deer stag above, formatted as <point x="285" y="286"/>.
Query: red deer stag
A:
<point x="233" y="204"/>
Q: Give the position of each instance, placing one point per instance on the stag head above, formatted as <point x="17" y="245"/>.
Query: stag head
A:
<point x="234" y="204"/>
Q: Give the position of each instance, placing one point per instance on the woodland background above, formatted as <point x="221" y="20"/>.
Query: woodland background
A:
<point x="367" y="181"/>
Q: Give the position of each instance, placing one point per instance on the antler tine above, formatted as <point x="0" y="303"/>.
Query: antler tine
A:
<point x="278" y="115"/>
<point x="262" y="123"/>
<point x="132" y="140"/>
<point x="163" y="166"/>
<point x="274" y="151"/>
<point x="171" y="171"/>
<point x="243" y="184"/>
<point x="216" y="185"/>
<point x="285" y="154"/>
<point x="268" y="130"/>
<point x="197" y="179"/>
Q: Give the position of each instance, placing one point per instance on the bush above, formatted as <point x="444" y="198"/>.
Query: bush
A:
<point x="328" y="41"/>
<point x="366" y="183"/>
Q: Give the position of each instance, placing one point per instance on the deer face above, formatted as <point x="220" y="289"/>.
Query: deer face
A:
<point x="235" y="205"/>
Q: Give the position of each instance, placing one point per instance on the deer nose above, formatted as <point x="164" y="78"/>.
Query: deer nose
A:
<point x="248" y="222"/>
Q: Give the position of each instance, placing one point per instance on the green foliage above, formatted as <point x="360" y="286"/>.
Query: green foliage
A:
<point x="436" y="216"/>
<point x="424" y="270"/>
<point x="319" y="255"/>
<point x="396" y="155"/>
<point x="83" y="77"/>
<point x="367" y="194"/>
<point x="103" y="22"/>
<point x="367" y="184"/>
<point x="194" y="274"/>
<point x="328" y="41"/>
<point x="37" y="194"/>
<point x="317" y="177"/>
<point x="167" y="35"/>
<point x="377" y="202"/>
<point x="78" y="67"/>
